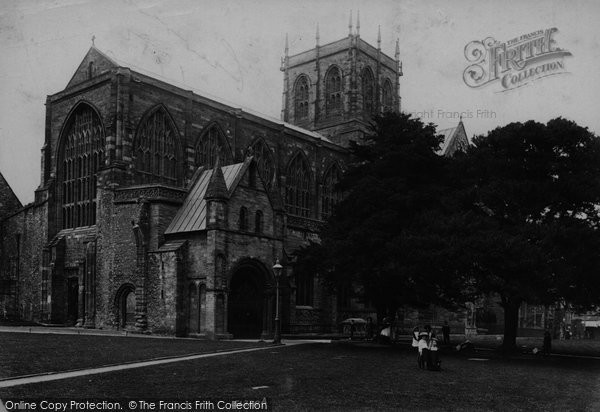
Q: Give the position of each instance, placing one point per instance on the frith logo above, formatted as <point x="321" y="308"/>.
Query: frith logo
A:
<point x="514" y="63"/>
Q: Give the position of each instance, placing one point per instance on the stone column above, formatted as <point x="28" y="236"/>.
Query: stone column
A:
<point x="90" y="286"/>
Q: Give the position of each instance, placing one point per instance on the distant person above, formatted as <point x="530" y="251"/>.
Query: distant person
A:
<point x="547" y="343"/>
<point x="423" y="350"/>
<point x="415" y="337"/>
<point x="415" y="342"/>
<point x="446" y="332"/>
<point x="433" y="363"/>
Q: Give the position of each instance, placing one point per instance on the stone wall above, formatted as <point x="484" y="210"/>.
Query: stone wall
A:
<point x="166" y="292"/>
<point x="125" y="244"/>
<point x="22" y="238"/>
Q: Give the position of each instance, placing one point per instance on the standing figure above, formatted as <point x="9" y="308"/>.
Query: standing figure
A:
<point x="433" y="363"/>
<point x="446" y="333"/>
<point x="415" y="337"/>
<point x="415" y="340"/>
<point x="423" y="350"/>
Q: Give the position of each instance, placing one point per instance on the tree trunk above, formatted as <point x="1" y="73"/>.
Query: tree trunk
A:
<point x="511" y="323"/>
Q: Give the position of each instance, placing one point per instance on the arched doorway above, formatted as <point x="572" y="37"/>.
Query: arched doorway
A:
<point x="129" y="309"/>
<point x="246" y="303"/>
<point x="197" y="308"/>
<point x="126" y="303"/>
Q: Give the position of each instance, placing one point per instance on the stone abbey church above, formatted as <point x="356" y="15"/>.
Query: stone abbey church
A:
<point x="163" y="211"/>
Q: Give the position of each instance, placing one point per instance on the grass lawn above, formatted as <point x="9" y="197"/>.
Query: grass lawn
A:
<point x="349" y="377"/>
<point x="587" y="347"/>
<point x="24" y="353"/>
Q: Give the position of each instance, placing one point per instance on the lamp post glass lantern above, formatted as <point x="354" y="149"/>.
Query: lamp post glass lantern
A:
<point x="277" y="268"/>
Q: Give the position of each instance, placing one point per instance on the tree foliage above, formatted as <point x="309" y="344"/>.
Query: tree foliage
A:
<point x="533" y="192"/>
<point x="390" y="233"/>
<point x="516" y="216"/>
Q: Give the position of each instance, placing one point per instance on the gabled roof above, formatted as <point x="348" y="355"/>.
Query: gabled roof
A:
<point x="9" y="202"/>
<point x="455" y="139"/>
<point x="101" y="63"/>
<point x="191" y="216"/>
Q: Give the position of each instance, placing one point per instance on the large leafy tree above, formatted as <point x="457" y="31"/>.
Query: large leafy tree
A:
<point x="530" y="195"/>
<point x="392" y="235"/>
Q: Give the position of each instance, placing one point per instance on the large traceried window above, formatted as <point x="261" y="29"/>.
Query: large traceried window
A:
<point x="368" y="90"/>
<point x="297" y="187"/>
<point x="333" y="91"/>
<point x="387" y="96"/>
<point x="330" y="195"/>
<point x="82" y="154"/>
<point x="212" y="142"/>
<point x="156" y="149"/>
<point x="264" y="161"/>
<point x="301" y="98"/>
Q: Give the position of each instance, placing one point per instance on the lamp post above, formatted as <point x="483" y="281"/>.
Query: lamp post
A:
<point x="277" y="273"/>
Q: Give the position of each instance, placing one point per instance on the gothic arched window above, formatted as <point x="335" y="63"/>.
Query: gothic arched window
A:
<point x="330" y="195"/>
<point x="156" y="148"/>
<point x="243" y="222"/>
<point x="264" y="161"/>
<point x="258" y="222"/>
<point x="387" y="95"/>
<point x="333" y="91"/>
<point x="297" y="187"/>
<point x="90" y="70"/>
<point x="301" y="98"/>
<point x="368" y="90"/>
<point x="212" y="142"/>
<point x="82" y="154"/>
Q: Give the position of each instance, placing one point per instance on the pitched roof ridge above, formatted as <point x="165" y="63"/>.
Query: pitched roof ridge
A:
<point x="106" y="56"/>
<point x="202" y="93"/>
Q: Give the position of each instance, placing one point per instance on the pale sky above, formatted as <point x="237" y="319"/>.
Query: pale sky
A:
<point x="232" y="49"/>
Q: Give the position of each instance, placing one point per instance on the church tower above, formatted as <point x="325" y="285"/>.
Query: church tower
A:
<point x="335" y="88"/>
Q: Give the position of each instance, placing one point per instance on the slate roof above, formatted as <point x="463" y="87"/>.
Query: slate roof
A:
<point x="455" y="138"/>
<point x="448" y="135"/>
<point x="172" y="246"/>
<point x="191" y="216"/>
